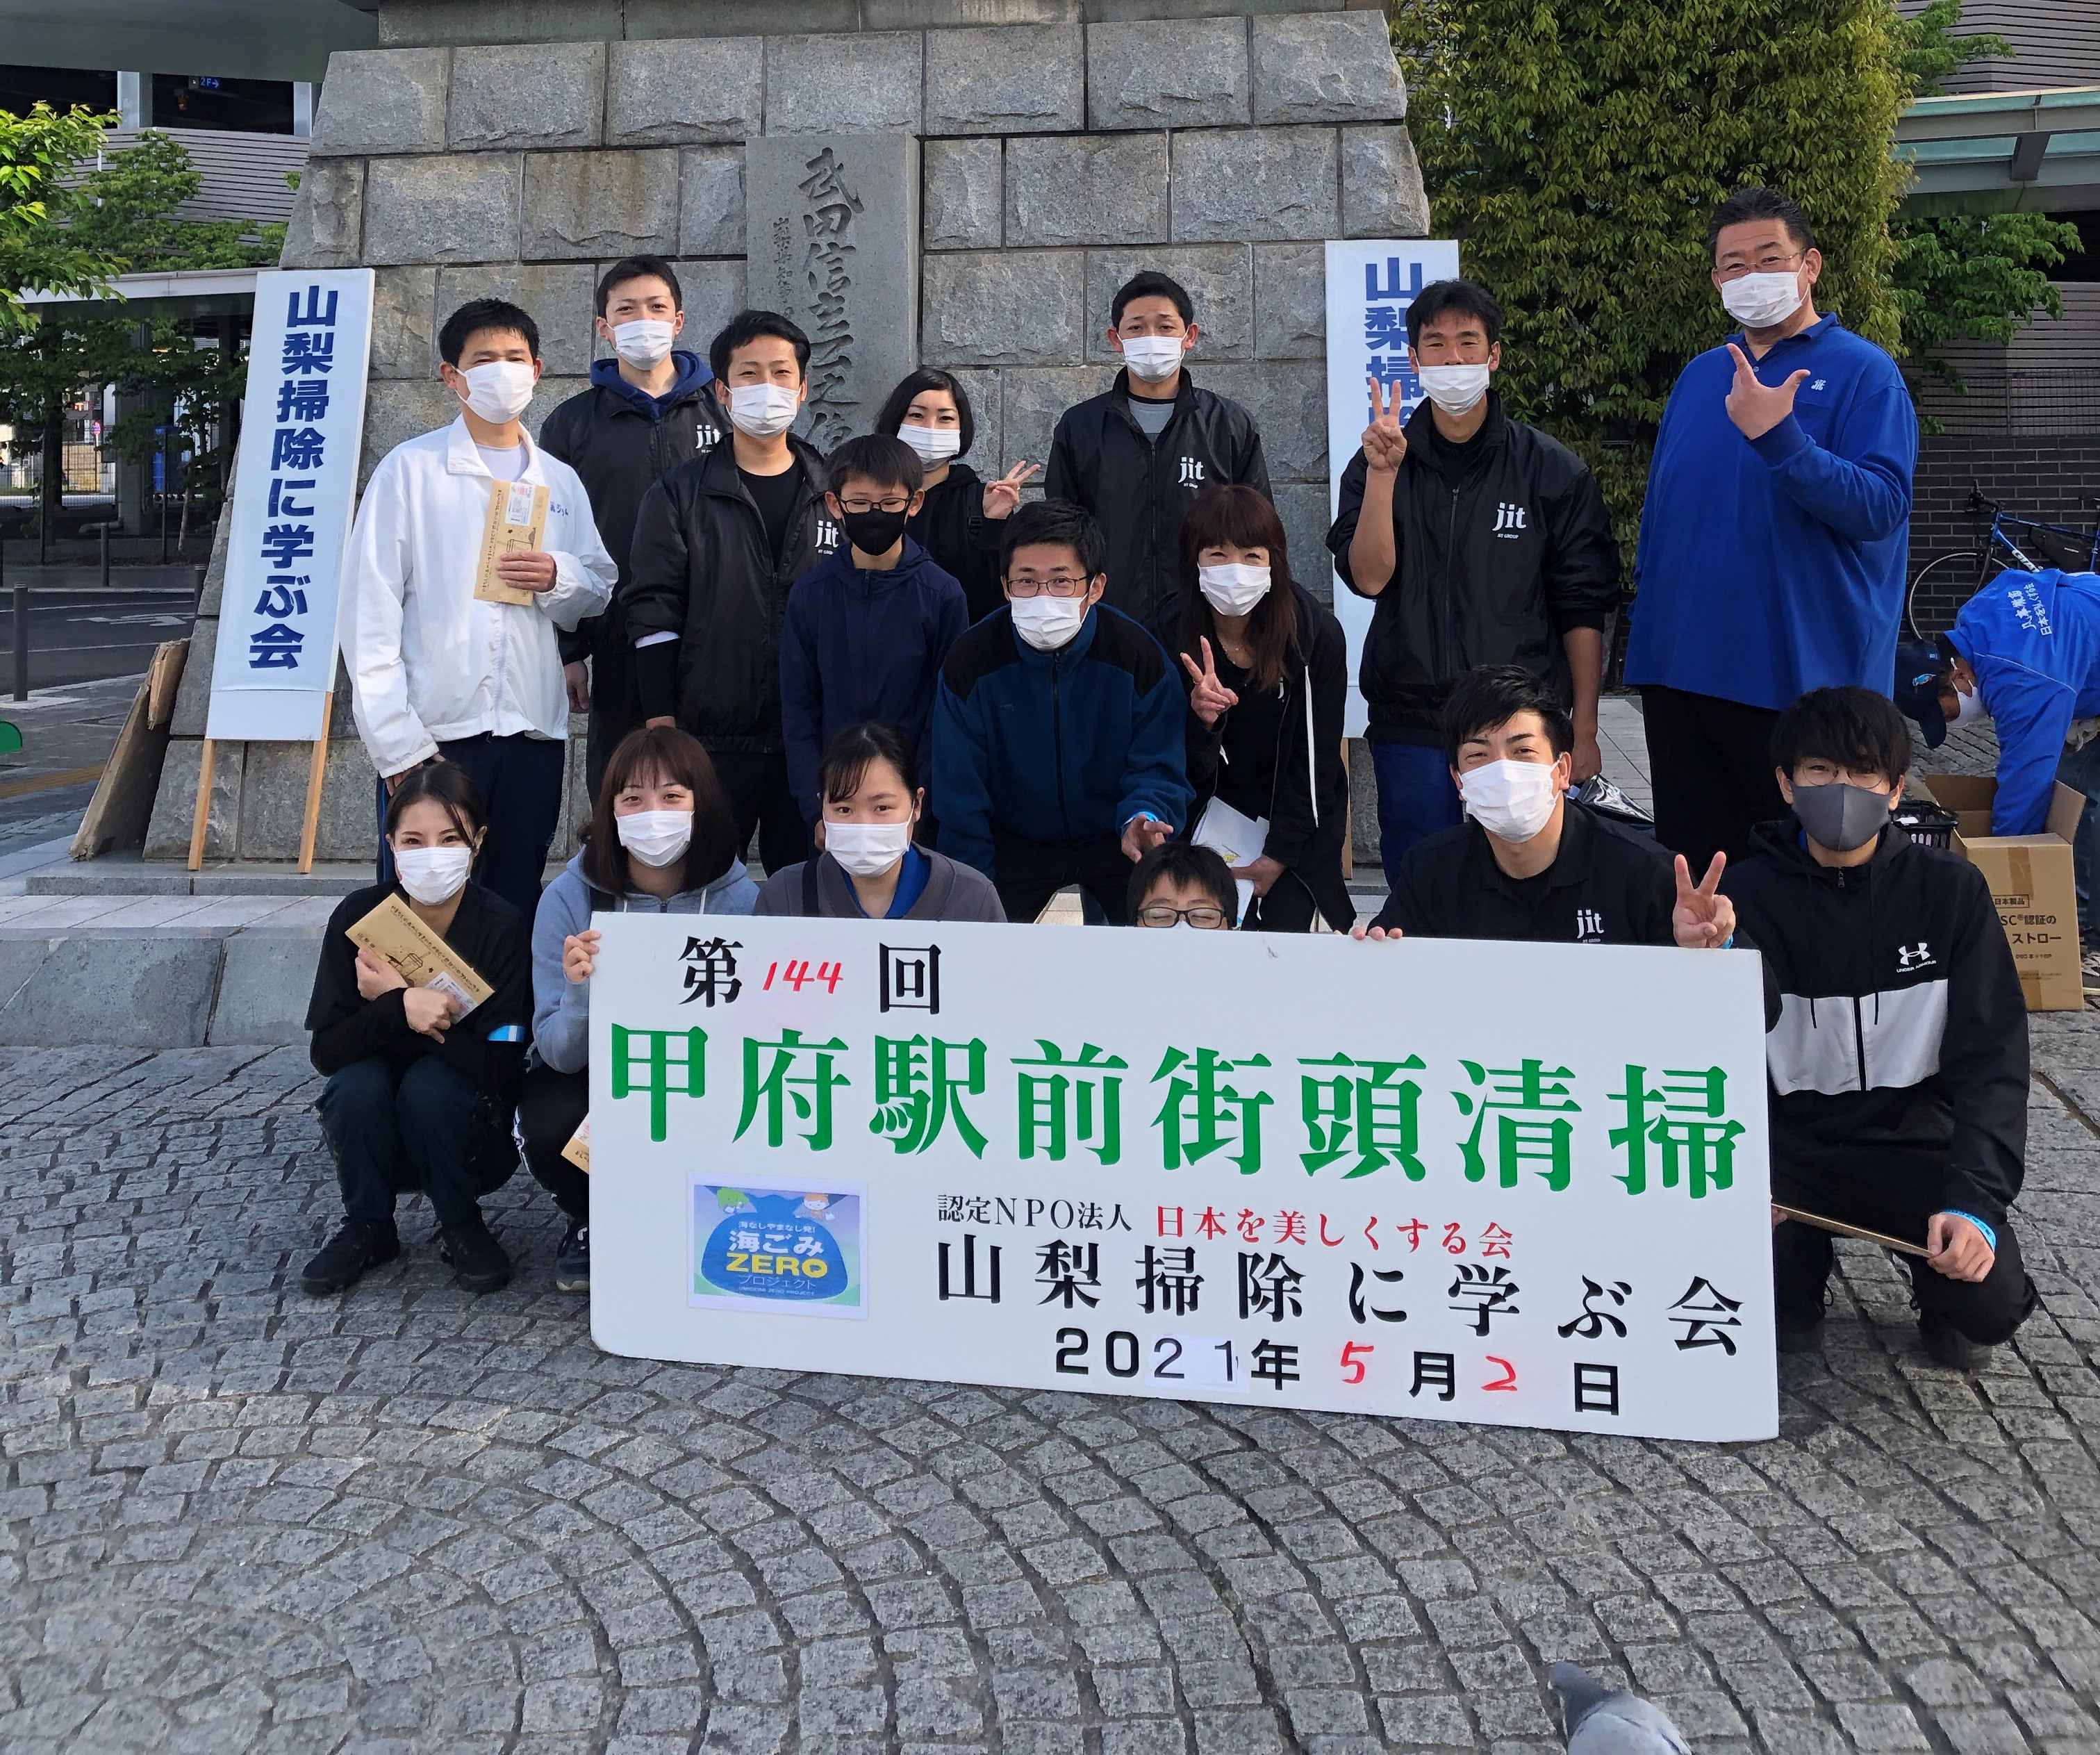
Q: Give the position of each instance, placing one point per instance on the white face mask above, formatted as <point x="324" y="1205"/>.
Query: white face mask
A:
<point x="1453" y="388"/>
<point x="1153" y="358"/>
<point x="1762" y="301"/>
<point x="645" y="343"/>
<point x="1048" y="623"/>
<point x="867" y="850"/>
<point x="500" y="390"/>
<point x="1511" y="800"/>
<point x="433" y="874"/>
<point x="1971" y="709"/>
<point x="934" y="444"/>
<point x="655" y="838"/>
<point x="1232" y="589"/>
<point x="761" y="411"/>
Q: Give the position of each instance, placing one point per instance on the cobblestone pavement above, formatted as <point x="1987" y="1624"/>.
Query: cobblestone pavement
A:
<point x="232" y="1517"/>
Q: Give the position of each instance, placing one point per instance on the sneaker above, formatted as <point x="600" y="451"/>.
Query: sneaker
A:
<point x="478" y="1260"/>
<point x="1948" y="1346"/>
<point x="358" y="1243"/>
<point x="572" y="1260"/>
<point x="1800" y="1334"/>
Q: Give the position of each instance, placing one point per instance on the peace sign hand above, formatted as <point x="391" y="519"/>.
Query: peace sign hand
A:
<point x="1384" y="444"/>
<point x="1001" y="497"/>
<point x="1757" y="407"/>
<point x="1210" y="698"/>
<point x="1703" y="919"/>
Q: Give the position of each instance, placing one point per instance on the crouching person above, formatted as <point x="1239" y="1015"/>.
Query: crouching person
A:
<point x="1899" y="1060"/>
<point x="417" y="1095"/>
<point x="662" y="839"/>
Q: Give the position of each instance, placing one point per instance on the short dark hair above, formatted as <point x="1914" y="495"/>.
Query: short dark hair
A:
<point x="1055" y="521"/>
<point x="1151" y="284"/>
<point x="1495" y="694"/>
<point x="1854" y="728"/>
<point x="854" y="751"/>
<point x="1746" y="205"/>
<point x="479" y="314"/>
<point x="638" y="268"/>
<point x="1236" y="515"/>
<point x="660" y="753"/>
<point x="1187" y="866"/>
<point x="446" y="785"/>
<point x="929" y="377"/>
<point x="1441" y="296"/>
<point x="888" y="462"/>
<point x="745" y="328"/>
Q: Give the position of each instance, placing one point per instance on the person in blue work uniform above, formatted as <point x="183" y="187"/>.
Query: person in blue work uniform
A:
<point x="1773" y="540"/>
<point x="2025" y="652"/>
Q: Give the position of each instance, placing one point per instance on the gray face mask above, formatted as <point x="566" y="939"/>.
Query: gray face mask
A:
<point x="1838" y="816"/>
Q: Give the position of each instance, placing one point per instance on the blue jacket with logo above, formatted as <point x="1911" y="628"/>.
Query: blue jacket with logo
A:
<point x="1065" y="746"/>
<point x="2033" y="640"/>
<point x="1771" y="566"/>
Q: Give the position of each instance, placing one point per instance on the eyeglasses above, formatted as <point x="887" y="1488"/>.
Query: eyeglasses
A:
<point x="1057" y="584"/>
<point x="897" y="502"/>
<point x="1769" y="263"/>
<point x="1165" y="914"/>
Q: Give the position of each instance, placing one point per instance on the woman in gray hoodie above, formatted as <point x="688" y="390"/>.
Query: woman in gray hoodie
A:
<point x="662" y="839"/>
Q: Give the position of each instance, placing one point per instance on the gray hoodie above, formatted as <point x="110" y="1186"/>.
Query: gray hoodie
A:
<point x="561" y="1008"/>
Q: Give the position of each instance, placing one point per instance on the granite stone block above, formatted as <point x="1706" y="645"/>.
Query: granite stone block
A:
<point x="965" y="194"/>
<point x="844" y="84"/>
<point x="273" y="802"/>
<point x="1219" y="280"/>
<point x="1035" y="399"/>
<point x="264" y="981"/>
<point x="685" y="91"/>
<point x="987" y="452"/>
<point x="168" y="832"/>
<point x="711" y="202"/>
<point x="1254" y="184"/>
<point x="1166" y="74"/>
<point x="476" y="21"/>
<point x="549" y="395"/>
<point x="1326" y="67"/>
<point x="383" y="100"/>
<point x="984" y="307"/>
<point x="1363" y="806"/>
<point x="1382" y="192"/>
<point x="109" y="992"/>
<point x="1302" y="507"/>
<point x="539" y="95"/>
<point x="558" y="295"/>
<point x="597" y="205"/>
<point x="1288" y="403"/>
<point x="1289" y="301"/>
<point x="327" y="217"/>
<point x="1005" y="79"/>
<point x="193" y="692"/>
<point x="404" y="323"/>
<point x="214" y="584"/>
<point x="938" y="14"/>
<point x="1086" y="189"/>
<point x="448" y="207"/>
<point x="1138" y="11"/>
<point x="399" y="409"/>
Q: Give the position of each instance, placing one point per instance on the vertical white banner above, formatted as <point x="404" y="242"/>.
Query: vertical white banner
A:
<point x="295" y="486"/>
<point x="1370" y="284"/>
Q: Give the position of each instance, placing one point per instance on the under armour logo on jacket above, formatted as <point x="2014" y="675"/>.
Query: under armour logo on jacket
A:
<point x="1589" y="926"/>
<point x="1509" y="519"/>
<point x="1192" y="473"/>
<point x="1917" y="956"/>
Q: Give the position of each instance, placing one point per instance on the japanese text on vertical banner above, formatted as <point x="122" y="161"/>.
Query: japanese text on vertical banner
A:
<point x="1471" y="1182"/>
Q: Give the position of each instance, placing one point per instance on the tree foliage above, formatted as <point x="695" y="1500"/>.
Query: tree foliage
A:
<point x="39" y="209"/>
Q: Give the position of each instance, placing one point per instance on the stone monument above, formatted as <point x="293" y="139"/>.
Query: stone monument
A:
<point x="962" y="183"/>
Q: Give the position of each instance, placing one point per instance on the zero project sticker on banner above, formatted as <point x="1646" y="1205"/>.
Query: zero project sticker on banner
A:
<point x="1518" y="1184"/>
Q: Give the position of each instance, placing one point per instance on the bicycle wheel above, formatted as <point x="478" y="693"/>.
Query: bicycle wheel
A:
<point x="1951" y="576"/>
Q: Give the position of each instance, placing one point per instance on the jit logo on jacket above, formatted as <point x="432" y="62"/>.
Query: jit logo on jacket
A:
<point x="1509" y="521"/>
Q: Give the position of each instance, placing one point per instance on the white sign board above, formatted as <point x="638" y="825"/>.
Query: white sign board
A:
<point x="295" y="485"/>
<point x="1370" y="285"/>
<point x="1519" y="1184"/>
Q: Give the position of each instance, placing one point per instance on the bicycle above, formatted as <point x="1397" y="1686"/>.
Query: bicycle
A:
<point x="1965" y="572"/>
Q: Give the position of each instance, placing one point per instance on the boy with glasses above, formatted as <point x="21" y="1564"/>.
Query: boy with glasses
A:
<point x="1180" y="884"/>
<point x="1059" y="727"/>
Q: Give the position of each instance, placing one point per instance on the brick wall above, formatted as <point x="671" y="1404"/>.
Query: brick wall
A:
<point x="2035" y="479"/>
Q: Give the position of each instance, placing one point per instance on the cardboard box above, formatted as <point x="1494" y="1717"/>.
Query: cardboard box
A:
<point x="2032" y="884"/>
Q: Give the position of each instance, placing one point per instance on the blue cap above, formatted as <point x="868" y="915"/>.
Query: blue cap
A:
<point x="1916" y="689"/>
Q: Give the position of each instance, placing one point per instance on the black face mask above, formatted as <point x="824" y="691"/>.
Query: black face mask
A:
<point x="1838" y="816"/>
<point x="874" y="533"/>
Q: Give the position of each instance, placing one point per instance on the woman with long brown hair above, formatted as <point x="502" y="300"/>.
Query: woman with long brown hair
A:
<point x="1268" y="672"/>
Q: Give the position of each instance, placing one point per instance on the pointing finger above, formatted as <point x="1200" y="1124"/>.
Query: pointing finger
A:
<point x="1683" y="880"/>
<point x="1742" y="364"/>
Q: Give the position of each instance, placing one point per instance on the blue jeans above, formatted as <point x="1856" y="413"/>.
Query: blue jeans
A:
<point x="1415" y="799"/>
<point x="2080" y="770"/>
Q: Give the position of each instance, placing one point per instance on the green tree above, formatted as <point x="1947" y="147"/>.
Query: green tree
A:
<point x="39" y="210"/>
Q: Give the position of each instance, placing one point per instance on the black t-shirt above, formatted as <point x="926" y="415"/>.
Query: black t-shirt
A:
<point x="774" y="496"/>
<point x="1246" y="771"/>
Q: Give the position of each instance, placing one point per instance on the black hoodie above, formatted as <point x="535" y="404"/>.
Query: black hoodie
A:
<point x="1899" y="1062"/>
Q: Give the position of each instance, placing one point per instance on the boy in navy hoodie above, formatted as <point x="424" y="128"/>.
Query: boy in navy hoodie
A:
<point x="867" y="627"/>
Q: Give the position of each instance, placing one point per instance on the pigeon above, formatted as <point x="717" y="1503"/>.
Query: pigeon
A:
<point x="1600" y="1721"/>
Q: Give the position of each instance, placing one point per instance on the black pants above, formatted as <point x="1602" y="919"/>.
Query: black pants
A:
<point x="1288" y="907"/>
<point x="549" y="1108"/>
<point x="608" y="731"/>
<point x="519" y="779"/>
<point x="763" y="804"/>
<point x="1027" y="873"/>
<point x="394" y="1131"/>
<point x="1710" y="764"/>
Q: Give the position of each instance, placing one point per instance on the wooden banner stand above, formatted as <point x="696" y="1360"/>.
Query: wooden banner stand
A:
<point x="309" y="822"/>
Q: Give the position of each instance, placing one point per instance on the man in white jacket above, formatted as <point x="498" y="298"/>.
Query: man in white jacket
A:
<point x="437" y="673"/>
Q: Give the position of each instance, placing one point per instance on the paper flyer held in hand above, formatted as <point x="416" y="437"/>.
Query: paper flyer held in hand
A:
<point x="517" y="525"/>
<point x="392" y="933"/>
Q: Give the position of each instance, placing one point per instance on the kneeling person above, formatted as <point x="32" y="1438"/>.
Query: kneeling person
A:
<point x="1898" y="1062"/>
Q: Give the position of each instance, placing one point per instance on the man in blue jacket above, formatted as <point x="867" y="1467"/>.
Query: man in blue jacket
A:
<point x="1059" y="727"/>
<point x="1773" y="540"/>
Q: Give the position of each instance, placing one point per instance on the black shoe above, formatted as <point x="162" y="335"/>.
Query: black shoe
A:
<point x="1948" y="1346"/>
<point x="572" y="1260"/>
<point x="1800" y="1334"/>
<point x="476" y="1259"/>
<point x="358" y="1243"/>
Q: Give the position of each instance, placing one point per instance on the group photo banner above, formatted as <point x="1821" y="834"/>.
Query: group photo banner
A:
<point x="1512" y="1184"/>
<point x="294" y="488"/>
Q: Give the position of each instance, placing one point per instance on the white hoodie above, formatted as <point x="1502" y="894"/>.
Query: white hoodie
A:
<point x="428" y="662"/>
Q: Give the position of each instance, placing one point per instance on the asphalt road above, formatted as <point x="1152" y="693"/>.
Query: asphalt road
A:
<point x="86" y="634"/>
